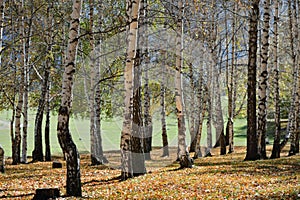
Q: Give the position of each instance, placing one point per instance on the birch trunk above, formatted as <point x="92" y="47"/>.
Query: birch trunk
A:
<point x="276" y="144"/>
<point x="164" y="134"/>
<point x="94" y="96"/>
<point x="73" y="185"/>
<point x="251" y="90"/>
<point x="202" y="96"/>
<point x="17" y="136"/>
<point x="294" y="147"/>
<point x="291" y="127"/>
<point x="143" y="40"/>
<point x="230" y="85"/>
<point x="138" y="137"/>
<point x="132" y="11"/>
<point x="2" y="8"/>
<point x="47" y="125"/>
<point x="192" y="111"/>
<point x="263" y="84"/>
<point x="26" y="46"/>
<point x="183" y="155"/>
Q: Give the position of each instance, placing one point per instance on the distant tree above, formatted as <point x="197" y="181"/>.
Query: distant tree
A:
<point x="291" y="126"/>
<point x="94" y="96"/>
<point x="73" y="185"/>
<point x="230" y="82"/>
<point x="163" y="108"/>
<point x="276" y="144"/>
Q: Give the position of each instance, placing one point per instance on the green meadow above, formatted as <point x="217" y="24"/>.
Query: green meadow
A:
<point x="111" y="131"/>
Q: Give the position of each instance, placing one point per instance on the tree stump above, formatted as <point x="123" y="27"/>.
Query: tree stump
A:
<point x="2" y="161"/>
<point x="56" y="164"/>
<point x="46" y="193"/>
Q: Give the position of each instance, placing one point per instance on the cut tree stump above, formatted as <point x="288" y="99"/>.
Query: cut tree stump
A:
<point x="56" y="164"/>
<point x="46" y="193"/>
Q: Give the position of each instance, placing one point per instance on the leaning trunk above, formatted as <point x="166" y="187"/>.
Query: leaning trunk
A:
<point x="73" y="185"/>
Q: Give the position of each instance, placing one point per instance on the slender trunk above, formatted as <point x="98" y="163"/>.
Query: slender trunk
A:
<point x="276" y="144"/>
<point x="292" y="111"/>
<point x="19" y="108"/>
<point x="37" y="154"/>
<point x="294" y="147"/>
<point x="2" y="8"/>
<point x="99" y="147"/>
<point x="219" y="117"/>
<point x="47" y="125"/>
<point x="91" y="96"/>
<point x="47" y="80"/>
<point x="26" y="46"/>
<point x="73" y="185"/>
<point x="2" y="160"/>
<point x="230" y="85"/>
<point x="251" y="90"/>
<point x="263" y="84"/>
<point x="143" y="40"/>
<point x="192" y="112"/>
<point x="163" y="114"/>
<point x="183" y="155"/>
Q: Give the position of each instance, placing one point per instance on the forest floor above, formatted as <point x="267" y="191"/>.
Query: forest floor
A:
<point x="216" y="177"/>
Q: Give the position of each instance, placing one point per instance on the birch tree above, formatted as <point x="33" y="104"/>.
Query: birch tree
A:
<point x="132" y="13"/>
<point x="19" y="108"/>
<point x="251" y="89"/>
<point x="276" y="144"/>
<point x="73" y="185"/>
<point x="94" y="96"/>
<point x="291" y="126"/>
<point x="263" y="84"/>
<point x="183" y="155"/>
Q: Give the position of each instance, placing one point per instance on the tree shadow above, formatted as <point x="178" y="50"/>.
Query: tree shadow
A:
<point x="109" y="181"/>
<point x="20" y="196"/>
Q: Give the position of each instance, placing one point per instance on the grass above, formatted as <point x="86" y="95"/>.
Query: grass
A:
<point x="111" y="130"/>
<point x="216" y="177"/>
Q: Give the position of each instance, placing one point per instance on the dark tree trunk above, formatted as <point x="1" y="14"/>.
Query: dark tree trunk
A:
<point x="251" y="105"/>
<point x="37" y="153"/>
<point x="2" y="160"/>
<point x="138" y="158"/>
<point x="192" y="112"/>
